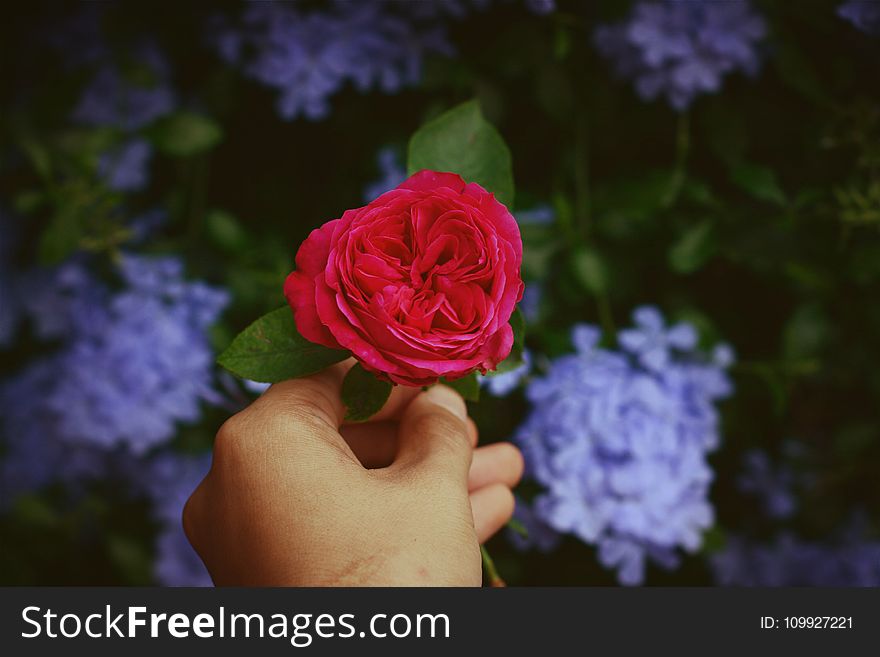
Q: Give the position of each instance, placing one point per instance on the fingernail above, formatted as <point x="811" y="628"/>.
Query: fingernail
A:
<point x="447" y="398"/>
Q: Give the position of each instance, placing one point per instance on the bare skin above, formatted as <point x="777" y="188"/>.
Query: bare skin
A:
<point x="297" y="498"/>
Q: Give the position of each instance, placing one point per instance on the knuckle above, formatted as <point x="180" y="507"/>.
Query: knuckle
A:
<point x="308" y="402"/>
<point x="442" y="427"/>
<point x="229" y="436"/>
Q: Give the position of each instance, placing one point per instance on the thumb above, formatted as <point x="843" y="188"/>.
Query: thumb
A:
<point x="433" y="435"/>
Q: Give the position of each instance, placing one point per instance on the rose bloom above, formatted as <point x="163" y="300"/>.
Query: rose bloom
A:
<point x="419" y="284"/>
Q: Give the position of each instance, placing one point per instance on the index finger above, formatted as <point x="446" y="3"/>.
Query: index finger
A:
<point x="324" y="389"/>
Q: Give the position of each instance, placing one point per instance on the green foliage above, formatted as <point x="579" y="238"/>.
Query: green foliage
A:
<point x="693" y="249"/>
<point x="467" y="386"/>
<point x="590" y="270"/>
<point x="758" y="181"/>
<point x="515" y="525"/>
<point x="463" y="142"/>
<point x="272" y="350"/>
<point x="224" y="230"/>
<point x="184" y="134"/>
<point x="84" y="216"/>
<point x="363" y="394"/>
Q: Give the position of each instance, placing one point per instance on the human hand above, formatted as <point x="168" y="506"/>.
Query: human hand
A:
<point x="296" y="498"/>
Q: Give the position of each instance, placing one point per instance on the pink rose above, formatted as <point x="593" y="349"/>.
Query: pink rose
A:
<point x="419" y="284"/>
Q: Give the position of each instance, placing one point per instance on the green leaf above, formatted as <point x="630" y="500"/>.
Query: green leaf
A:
<point x="184" y="134"/>
<point x="806" y="333"/>
<point x="509" y="364"/>
<point x="463" y="142"/>
<point x="62" y="236"/>
<point x="590" y="270"/>
<point x="515" y="525"/>
<point x="693" y="249"/>
<point x="363" y="394"/>
<point x="131" y="557"/>
<point x="758" y="181"/>
<point x="714" y="540"/>
<point x="467" y="386"/>
<point x="518" y="324"/>
<point x="272" y="350"/>
<point x="39" y="156"/>
<point x="30" y="200"/>
<point x="225" y="231"/>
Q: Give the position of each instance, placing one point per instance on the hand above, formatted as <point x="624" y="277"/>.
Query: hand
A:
<point x="296" y="498"/>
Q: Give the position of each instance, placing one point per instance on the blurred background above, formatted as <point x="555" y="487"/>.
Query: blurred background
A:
<point x="698" y="189"/>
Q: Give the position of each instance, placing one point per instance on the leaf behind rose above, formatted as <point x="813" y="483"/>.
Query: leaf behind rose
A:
<point x="272" y="350"/>
<point x="363" y="394"/>
<point x="467" y="386"/>
<point x="462" y="141"/>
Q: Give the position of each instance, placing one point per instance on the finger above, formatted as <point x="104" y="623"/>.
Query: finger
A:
<point x="433" y="435"/>
<point x="499" y="463"/>
<point x="317" y="396"/>
<point x="492" y="507"/>
<point x="473" y="432"/>
<point x="374" y="443"/>
<point x="334" y="409"/>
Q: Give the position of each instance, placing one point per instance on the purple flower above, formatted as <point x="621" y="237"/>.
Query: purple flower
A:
<point x="125" y="167"/>
<point x="538" y="534"/>
<point x="541" y="7"/>
<point x="392" y="174"/>
<point x="651" y="341"/>
<point x="540" y="215"/>
<point x="177" y="563"/>
<point x="255" y="386"/>
<point x="309" y="57"/>
<point x="772" y="485"/>
<point x="169" y="479"/>
<point x="530" y="304"/>
<point x="851" y="560"/>
<point x="864" y="14"/>
<point x="619" y="443"/>
<point x="681" y="50"/>
<point x="32" y="455"/>
<point x="128" y="100"/>
<point x="78" y="37"/>
<point x="131" y="364"/>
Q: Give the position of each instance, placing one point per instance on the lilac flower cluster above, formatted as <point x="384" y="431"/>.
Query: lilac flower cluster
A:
<point x="849" y="558"/>
<point x="112" y="98"/>
<point x="125" y="98"/>
<point x="531" y="302"/>
<point x="789" y="561"/>
<point x="864" y="14"/>
<point x="392" y="173"/>
<point x="133" y="362"/>
<point x="771" y="484"/>
<point x="310" y="56"/>
<point x="169" y="479"/>
<point x="125" y="168"/>
<point x="619" y="442"/>
<point x="681" y="50"/>
<point x="125" y="366"/>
